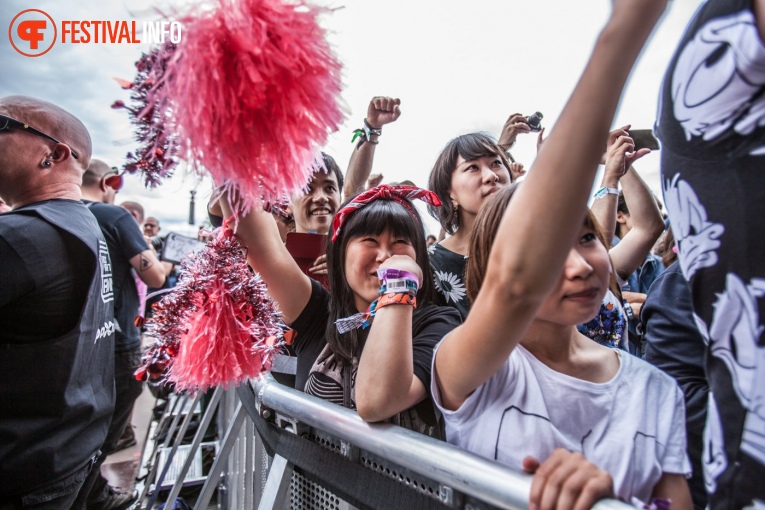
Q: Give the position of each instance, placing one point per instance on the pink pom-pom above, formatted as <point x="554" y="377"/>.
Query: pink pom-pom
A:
<point x="217" y="348"/>
<point x="254" y="92"/>
<point x="217" y="326"/>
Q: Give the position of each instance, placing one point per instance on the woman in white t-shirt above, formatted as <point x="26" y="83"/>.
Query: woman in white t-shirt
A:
<point x="517" y="382"/>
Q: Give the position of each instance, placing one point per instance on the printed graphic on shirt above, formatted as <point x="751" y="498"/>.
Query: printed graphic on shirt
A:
<point x="734" y="334"/>
<point x="607" y="328"/>
<point x="697" y="237"/>
<point x="715" y="460"/>
<point x="450" y="286"/>
<point x="511" y="440"/>
<point x="717" y="82"/>
<point x="105" y="331"/>
<point x="105" y="262"/>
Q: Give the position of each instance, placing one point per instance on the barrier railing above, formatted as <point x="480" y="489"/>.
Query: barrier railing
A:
<point x="286" y="449"/>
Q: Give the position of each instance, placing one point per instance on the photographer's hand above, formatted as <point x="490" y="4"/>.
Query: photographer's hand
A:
<point x="514" y="125"/>
<point x="620" y="155"/>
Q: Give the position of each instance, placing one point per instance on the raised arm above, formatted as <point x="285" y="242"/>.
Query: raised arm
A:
<point x="287" y="285"/>
<point x="382" y="110"/>
<point x="546" y="212"/>
<point x="647" y="225"/>
<point x="616" y="160"/>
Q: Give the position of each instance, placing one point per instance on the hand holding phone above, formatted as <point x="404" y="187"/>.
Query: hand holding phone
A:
<point x="644" y="139"/>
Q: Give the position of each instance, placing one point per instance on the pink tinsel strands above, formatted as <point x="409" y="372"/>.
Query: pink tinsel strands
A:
<point x="156" y="157"/>
<point x="217" y="326"/>
<point x="254" y="91"/>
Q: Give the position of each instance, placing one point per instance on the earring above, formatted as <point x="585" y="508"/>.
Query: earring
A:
<point x="47" y="164"/>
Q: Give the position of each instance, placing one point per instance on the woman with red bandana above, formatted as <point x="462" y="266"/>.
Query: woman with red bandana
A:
<point x="367" y="343"/>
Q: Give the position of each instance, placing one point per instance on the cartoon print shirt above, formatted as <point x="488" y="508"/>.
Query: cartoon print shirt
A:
<point x="526" y="408"/>
<point x="609" y="327"/>
<point x="449" y="277"/>
<point x="712" y="127"/>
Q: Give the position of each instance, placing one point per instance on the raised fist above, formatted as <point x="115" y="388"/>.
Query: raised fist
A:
<point x="383" y="110"/>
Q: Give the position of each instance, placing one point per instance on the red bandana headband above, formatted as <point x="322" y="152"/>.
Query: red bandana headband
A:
<point x="400" y="194"/>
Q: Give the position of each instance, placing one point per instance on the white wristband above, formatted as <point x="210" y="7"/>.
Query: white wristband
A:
<point x="602" y="192"/>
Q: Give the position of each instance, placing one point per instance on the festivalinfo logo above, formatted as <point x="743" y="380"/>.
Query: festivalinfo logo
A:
<point x="34" y="32"/>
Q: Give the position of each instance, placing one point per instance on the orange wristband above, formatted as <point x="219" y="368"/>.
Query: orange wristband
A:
<point x="396" y="298"/>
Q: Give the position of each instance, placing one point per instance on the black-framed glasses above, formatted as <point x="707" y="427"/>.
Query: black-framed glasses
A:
<point x="7" y="123"/>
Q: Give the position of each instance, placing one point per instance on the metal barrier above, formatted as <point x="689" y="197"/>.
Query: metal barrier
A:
<point x="281" y="456"/>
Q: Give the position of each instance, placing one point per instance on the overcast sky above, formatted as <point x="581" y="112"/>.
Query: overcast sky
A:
<point x="457" y="66"/>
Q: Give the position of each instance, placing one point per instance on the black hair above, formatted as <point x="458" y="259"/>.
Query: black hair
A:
<point x="621" y="206"/>
<point x="471" y="146"/>
<point x="372" y="219"/>
<point x="331" y="166"/>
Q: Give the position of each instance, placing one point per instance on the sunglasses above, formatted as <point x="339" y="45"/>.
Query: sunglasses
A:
<point x="115" y="181"/>
<point x="7" y="123"/>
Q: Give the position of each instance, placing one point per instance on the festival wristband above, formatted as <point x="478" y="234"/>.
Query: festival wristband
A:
<point x="602" y="192"/>
<point x="364" y="320"/>
<point x="396" y="298"/>
<point x="365" y="134"/>
<point x="399" y="285"/>
<point x="396" y="279"/>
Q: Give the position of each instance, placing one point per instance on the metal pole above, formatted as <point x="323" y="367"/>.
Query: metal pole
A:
<point x="178" y="404"/>
<point x="191" y="208"/>
<point x="206" y="419"/>
<point x="459" y="470"/>
<point x="171" y="455"/>
<point x="228" y="443"/>
<point x="277" y="484"/>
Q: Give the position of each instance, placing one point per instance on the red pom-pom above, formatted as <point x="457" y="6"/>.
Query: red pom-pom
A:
<point x="217" y="348"/>
<point x="253" y="90"/>
<point x="217" y="326"/>
<point x="151" y="114"/>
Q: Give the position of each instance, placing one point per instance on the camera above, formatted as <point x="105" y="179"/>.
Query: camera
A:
<point x="535" y="121"/>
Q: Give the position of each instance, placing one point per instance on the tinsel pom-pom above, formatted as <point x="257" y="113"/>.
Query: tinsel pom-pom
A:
<point x="217" y="326"/>
<point x="151" y="114"/>
<point x="253" y="90"/>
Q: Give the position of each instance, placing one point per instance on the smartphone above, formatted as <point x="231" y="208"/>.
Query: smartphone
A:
<point x="305" y="249"/>
<point x="644" y="139"/>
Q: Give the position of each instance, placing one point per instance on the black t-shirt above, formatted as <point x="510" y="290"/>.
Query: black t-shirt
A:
<point x="41" y="301"/>
<point x="712" y="127"/>
<point x="125" y="241"/>
<point x="449" y="277"/>
<point x="673" y="344"/>
<point x="430" y="324"/>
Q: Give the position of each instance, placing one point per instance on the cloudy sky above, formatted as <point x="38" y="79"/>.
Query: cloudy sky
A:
<point x="457" y="66"/>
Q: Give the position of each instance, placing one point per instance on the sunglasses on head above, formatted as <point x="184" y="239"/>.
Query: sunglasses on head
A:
<point x="115" y="181"/>
<point x="7" y="123"/>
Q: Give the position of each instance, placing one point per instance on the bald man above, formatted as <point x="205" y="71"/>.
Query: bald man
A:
<point x="129" y="252"/>
<point x="56" y="312"/>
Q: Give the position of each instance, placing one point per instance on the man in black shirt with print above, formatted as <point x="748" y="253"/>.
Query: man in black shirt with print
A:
<point x="56" y="313"/>
<point x="129" y="252"/>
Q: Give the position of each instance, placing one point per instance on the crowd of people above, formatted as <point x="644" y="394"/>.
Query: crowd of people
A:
<point x="608" y="348"/>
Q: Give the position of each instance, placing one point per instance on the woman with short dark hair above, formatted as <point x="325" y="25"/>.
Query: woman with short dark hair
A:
<point x="367" y="343"/>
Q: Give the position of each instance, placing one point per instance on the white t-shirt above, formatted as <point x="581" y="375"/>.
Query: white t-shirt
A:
<point x="632" y="426"/>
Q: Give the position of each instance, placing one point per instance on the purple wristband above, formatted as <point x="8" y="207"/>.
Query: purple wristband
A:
<point x="396" y="274"/>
